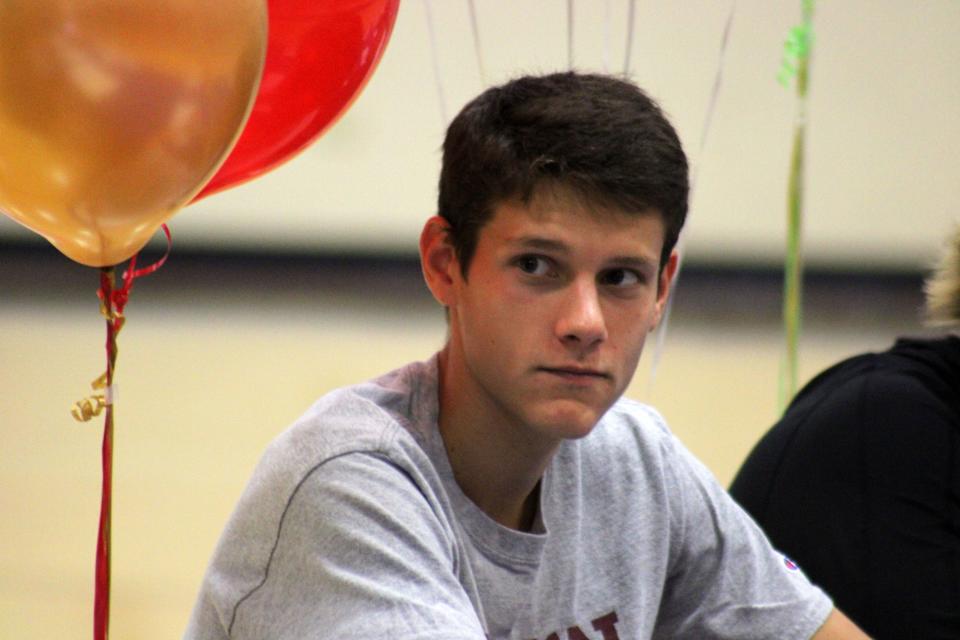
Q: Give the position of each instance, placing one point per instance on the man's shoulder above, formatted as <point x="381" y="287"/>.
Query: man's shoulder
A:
<point x="370" y="414"/>
<point x="387" y="417"/>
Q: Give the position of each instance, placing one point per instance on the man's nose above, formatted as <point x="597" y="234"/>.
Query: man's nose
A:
<point x="580" y="320"/>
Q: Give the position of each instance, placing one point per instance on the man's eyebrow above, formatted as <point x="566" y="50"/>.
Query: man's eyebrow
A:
<point x="637" y="262"/>
<point x="539" y="242"/>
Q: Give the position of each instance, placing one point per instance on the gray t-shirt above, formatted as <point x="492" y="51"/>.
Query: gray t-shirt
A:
<point x="353" y="527"/>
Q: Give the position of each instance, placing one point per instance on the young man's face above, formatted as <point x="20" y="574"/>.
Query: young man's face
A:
<point x="547" y="328"/>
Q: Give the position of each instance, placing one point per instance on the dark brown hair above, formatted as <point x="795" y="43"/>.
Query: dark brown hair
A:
<point x="601" y="137"/>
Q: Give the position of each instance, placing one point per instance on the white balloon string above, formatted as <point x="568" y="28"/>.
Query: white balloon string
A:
<point x="435" y="59"/>
<point x="570" y="34"/>
<point x="704" y="134"/>
<point x="717" y="81"/>
<point x="628" y="48"/>
<point x="476" y="42"/>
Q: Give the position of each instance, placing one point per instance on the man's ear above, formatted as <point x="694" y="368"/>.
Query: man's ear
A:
<point x="667" y="274"/>
<point x="438" y="260"/>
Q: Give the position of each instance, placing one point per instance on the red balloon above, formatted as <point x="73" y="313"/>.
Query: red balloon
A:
<point x="320" y="54"/>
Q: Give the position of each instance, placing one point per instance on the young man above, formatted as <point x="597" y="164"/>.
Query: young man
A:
<point x="503" y="489"/>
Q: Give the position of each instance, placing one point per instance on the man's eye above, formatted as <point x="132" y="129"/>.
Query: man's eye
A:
<point x="620" y="277"/>
<point x="534" y="265"/>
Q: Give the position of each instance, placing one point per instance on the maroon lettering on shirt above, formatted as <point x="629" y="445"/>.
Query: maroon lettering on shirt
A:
<point x="605" y="624"/>
<point x="576" y="633"/>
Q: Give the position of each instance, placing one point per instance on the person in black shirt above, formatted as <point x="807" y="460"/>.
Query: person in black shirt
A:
<point x="859" y="482"/>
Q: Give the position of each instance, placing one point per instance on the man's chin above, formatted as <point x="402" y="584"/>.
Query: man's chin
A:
<point x="568" y="420"/>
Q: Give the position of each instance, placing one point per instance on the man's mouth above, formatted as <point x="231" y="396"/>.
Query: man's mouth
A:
<point x="575" y="372"/>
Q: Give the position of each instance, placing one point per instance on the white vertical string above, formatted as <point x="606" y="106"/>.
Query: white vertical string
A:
<point x="476" y="42"/>
<point x="704" y="133"/>
<point x="435" y="59"/>
<point x="628" y="48"/>
<point x="570" y="35"/>
<point x="717" y="81"/>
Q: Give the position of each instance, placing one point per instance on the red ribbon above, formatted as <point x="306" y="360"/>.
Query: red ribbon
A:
<point x="112" y="303"/>
<point x="116" y="299"/>
<point x="101" y="604"/>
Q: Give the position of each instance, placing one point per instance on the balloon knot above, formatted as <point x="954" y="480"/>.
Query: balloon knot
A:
<point x="120" y="298"/>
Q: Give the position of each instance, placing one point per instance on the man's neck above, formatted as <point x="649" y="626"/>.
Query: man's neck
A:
<point x="494" y="465"/>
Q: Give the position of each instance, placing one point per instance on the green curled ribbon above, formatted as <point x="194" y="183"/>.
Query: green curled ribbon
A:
<point x="796" y="48"/>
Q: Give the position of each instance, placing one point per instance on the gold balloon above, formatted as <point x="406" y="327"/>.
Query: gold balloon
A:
<point x="115" y="113"/>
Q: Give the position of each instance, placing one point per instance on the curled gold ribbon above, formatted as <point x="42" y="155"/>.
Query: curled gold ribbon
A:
<point x="94" y="405"/>
<point x="89" y="407"/>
